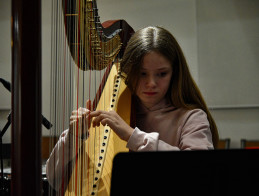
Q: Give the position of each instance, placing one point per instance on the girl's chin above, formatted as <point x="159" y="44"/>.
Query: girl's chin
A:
<point x="149" y="104"/>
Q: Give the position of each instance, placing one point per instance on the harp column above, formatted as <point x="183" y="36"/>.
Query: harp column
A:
<point x="26" y="97"/>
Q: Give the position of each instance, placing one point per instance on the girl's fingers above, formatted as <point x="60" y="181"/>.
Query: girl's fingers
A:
<point x="72" y="118"/>
<point x="80" y="112"/>
<point x="99" y="113"/>
<point x="80" y="121"/>
<point x="96" y="113"/>
<point x="100" y="117"/>
<point x="105" y="121"/>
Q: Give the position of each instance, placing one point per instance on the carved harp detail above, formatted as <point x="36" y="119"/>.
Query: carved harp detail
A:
<point x="95" y="46"/>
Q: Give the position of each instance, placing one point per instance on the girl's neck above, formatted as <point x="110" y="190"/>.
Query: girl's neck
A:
<point x="143" y="108"/>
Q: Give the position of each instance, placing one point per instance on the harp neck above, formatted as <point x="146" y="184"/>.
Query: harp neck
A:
<point x="90" y="44"/>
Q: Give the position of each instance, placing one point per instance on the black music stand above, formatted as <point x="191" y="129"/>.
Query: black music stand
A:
<point x="3" y="190"/>
<point x="45" y="122"/>
<point x="215" y="172"/>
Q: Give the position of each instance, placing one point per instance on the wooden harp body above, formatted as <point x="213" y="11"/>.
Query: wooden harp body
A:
<point x="92" y="168"/>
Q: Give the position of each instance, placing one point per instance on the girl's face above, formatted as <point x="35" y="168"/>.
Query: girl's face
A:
<point x="154" y="81"/>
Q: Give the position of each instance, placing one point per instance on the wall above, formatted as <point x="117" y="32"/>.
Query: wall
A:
<point x="228" y="48"/>
<point x="5" y="65"/>
<point x="219" y="39"/>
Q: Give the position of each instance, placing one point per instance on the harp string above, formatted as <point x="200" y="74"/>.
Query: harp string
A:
<point x="75" y="53"/>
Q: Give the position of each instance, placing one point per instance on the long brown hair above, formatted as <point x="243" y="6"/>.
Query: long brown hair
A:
<point x="183" y="91"/>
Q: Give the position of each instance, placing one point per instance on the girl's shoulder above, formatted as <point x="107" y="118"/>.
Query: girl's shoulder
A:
<point x="193" y="115"/>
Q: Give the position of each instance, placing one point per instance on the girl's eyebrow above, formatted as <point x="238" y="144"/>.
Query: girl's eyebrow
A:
<point x="164" y="68"/>
<point x="159" y="69"/>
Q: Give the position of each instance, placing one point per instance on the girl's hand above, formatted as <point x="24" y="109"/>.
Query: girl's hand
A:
<point x="114" y="121"/>
<point x="80" y="121"/>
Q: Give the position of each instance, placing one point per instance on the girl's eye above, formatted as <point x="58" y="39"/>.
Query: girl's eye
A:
<point x="162" y="74"/>
<point x="143" y="74"/>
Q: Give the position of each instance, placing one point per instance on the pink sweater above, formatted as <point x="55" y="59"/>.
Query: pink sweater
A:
<point x="162" y="127"/>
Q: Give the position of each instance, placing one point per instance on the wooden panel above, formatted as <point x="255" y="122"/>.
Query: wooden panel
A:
<point x="224" y="144"/>
<point x="249" y="144"/>
<point x="47" y="144"/>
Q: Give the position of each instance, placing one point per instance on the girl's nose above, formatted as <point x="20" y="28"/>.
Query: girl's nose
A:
<point x="151" y="81"/>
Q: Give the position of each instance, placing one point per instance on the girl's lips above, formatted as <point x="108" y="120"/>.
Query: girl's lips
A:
<point x="149" y="93"/>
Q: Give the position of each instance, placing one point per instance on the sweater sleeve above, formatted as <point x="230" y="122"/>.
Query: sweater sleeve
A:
<point x="141" y="141"/>
<point x="194" y="134"/>
<point x="57" y="164"/>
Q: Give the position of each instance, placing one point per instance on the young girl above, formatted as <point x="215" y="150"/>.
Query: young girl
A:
<point x="170" y="111"/>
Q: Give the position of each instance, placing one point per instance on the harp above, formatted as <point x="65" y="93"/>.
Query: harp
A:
<point x="26" y="81"/>
<point x="90" y="52"/>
